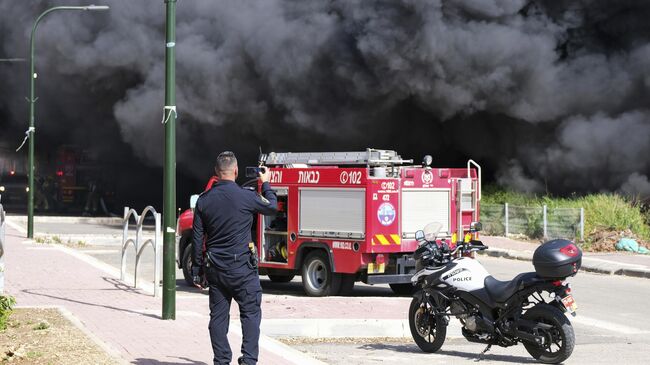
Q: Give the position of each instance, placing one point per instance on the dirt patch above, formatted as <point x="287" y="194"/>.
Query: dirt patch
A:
<point x="44" y="336"/>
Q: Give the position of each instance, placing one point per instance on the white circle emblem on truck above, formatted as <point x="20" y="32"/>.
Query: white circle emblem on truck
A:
<point x="386" y="214"/>
<point x="427" y="177"/>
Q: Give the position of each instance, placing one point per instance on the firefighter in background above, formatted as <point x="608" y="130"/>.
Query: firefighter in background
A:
<point x="40" y="197"/>
<point x="224" y="216"/>
<point x="49" y="190"/>
<point x="92" y="199"/>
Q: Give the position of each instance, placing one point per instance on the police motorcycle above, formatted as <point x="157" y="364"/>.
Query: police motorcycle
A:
<point x="529" y="309"/>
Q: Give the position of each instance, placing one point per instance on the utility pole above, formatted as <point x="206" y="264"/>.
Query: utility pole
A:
<point x="169" y="189"/>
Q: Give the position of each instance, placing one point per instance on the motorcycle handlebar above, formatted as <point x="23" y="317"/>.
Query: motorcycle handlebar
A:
<point x="467" y="246"/>
<point x="443" y="253"/>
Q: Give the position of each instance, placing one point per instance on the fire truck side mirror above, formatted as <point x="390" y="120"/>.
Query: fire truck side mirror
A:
<point x="427" y="160"/>
<point x="193" y="199"/>
<point x="419" y="235"/>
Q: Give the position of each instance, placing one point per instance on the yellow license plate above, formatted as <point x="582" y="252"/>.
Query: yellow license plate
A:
<point x="570" y="303"/>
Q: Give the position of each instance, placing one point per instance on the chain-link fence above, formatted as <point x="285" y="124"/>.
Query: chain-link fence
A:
<point x="533" y="222"/>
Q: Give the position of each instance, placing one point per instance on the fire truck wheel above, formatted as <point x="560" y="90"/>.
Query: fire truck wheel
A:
<point x="318" y="280"/>
<point x="187" y="265"/>
<point x="281" y="278"/>
<point x="402" y="289"/>
<point x="347" y="283"/>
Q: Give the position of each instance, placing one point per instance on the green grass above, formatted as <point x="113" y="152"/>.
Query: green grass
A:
<point x="41" y="326"/>
<point x="602" y="211"/>
<point x="34" y="354"/>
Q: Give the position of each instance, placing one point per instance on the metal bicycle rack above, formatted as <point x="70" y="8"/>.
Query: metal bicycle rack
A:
<point x="139" y="244"/>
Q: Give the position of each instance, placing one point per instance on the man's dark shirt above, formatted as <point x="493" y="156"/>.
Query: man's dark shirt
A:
<point x="224" y="214"/>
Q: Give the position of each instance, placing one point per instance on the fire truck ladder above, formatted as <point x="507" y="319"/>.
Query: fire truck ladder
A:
<point x="369" y="157"/>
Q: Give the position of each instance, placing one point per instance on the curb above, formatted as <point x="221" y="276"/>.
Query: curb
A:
<point x="335" y="328"/>
<point x="86" y="239"/>
<point x="62" y="219"/>
<point x="344" y="328"/>
<point x="588" y="264"/>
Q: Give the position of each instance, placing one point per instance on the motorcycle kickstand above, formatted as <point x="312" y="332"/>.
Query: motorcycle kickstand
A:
<point x="480" y="356"/>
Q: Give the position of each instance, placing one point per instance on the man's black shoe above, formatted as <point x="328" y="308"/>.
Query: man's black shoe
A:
<point x="241" y="361"/>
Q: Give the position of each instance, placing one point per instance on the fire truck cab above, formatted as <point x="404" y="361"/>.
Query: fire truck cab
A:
<point x="352" y="216"/>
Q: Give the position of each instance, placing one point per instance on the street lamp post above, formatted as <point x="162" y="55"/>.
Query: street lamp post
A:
<point x="169" y="178"/>
<point x="31" y="130"/>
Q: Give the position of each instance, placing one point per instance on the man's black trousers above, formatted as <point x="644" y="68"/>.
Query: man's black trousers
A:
<point x="242" y="284"/>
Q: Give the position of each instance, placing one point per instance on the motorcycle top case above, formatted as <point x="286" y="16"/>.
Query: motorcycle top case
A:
<point x="557" y="259"/>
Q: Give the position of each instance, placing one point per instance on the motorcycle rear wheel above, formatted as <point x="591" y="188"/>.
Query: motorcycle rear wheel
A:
<point x="428" y="330"/>
<point x="559" y="340"/>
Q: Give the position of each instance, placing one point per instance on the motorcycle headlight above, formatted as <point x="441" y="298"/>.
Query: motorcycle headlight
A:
<point x="27" y="189"/>
<point x="2" y="188"/>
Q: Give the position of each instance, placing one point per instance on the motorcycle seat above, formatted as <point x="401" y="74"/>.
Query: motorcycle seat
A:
<point x="500" y="291"/>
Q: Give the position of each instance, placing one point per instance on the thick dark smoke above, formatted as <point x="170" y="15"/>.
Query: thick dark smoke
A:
<point x="550" y="95"/>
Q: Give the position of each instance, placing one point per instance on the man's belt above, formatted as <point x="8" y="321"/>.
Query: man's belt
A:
<point x="225" y="256"/>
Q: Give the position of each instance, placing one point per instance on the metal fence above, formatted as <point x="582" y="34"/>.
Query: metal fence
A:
<point x="533" y="222"/>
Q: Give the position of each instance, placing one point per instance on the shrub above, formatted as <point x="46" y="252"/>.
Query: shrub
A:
<point x="603" y="211"/>
<point x="7" y="303"/>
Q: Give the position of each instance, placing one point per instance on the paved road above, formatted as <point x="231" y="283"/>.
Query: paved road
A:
<point x="612" y="326"/>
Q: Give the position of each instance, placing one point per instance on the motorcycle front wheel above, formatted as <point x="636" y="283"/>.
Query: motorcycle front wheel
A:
<point x="559" y="340"/>
<point x="427" y="329"/>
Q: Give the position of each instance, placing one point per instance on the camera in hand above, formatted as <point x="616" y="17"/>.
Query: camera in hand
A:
<point x="255" y="171"/>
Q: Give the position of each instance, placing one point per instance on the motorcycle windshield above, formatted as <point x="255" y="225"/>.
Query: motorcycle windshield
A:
<point x="431" y="231"/>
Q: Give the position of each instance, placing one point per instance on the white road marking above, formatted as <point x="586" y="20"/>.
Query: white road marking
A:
<point x="101" y="252"/>
<point x="290" y="354"/>
<point x="16" y="226"/>
<point x="609" y="326"/>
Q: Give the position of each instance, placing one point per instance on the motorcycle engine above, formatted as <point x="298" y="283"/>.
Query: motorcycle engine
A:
<point x="472" y="320"/>
<point x="476" y="323"/>
<point x="459" y="310"/>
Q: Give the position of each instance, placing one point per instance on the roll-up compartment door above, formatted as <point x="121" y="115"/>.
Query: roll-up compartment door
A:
<point x="423" y="206"/>
<point x="332" y="212"/>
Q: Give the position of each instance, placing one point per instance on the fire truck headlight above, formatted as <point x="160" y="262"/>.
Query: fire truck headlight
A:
<point x="2" y="188"/>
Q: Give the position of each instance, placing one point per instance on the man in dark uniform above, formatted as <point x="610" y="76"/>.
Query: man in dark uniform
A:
<point x="224" y="215"/>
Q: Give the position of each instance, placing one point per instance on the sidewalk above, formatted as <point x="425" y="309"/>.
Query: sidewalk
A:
<point x="612" y="263"/>
<point x="125" y="321"/>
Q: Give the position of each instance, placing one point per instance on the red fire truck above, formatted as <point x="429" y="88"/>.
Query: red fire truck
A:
<point x="352" y="216"/>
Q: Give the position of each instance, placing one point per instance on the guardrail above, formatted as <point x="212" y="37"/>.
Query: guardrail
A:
<point x="139" y="245"/>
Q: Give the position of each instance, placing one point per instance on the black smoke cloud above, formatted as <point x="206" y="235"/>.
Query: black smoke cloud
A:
<point x="549" y="95"/>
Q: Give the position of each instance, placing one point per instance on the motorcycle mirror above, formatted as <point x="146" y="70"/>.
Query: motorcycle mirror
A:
<point x="476" y="227"/>
<point x="419" y="235"/>
<point x="427" y="160"/>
